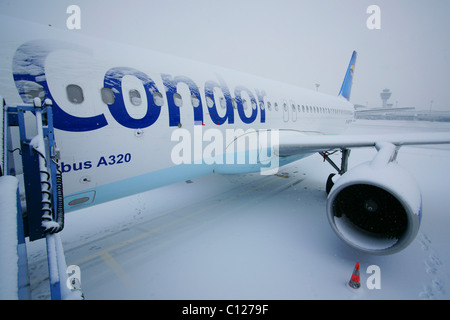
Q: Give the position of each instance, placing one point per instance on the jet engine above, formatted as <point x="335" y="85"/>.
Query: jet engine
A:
<point x="376" y="207"/>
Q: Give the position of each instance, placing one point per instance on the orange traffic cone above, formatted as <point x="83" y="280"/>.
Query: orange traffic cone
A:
<point x="355" y="280"/>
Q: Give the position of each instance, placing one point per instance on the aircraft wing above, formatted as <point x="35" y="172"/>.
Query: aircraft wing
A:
<point x="382" y="110"/>
<point x="296" y="142"/>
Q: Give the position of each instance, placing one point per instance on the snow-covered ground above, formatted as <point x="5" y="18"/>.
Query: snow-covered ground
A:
<point x="253" y="237"/>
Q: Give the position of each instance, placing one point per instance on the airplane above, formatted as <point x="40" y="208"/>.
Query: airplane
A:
<point x="129" y="120"/>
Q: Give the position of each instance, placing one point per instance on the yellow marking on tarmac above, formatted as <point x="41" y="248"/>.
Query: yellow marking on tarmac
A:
<point x="113" y="264"/>
<point x="118" y="270"/>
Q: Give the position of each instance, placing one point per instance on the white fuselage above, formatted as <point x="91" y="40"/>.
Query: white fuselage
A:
<point x="130" y="120"/>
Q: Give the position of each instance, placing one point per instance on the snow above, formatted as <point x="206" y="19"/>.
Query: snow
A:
<point x="8" y="238"/>
<point x="253" y="237"/>
<point x="37" y="144"/>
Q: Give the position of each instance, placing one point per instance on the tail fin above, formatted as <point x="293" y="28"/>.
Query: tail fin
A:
<point x="348" y="80"/>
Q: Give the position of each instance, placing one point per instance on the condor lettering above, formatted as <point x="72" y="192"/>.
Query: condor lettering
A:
<point x="29" y="72"/>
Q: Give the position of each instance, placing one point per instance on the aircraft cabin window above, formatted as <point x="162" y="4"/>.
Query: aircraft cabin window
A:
<point x="135" y="97"/>
<point x="261" y="105"/>
<point x="276" y="106"/>
<point x="223" y="103"/>
<point x="244" y="103"/>
<point x="178" y="100"/>
<point x="209" y="102"/>
<point x="253" y="105"/>
<point x="195" y="101"/>
<point x="234" y="103"/>
<point x="269" y="106"/>
<point x="158" y="99"/>
<point x="107" y="95"/>
<point x="74" y="94"/>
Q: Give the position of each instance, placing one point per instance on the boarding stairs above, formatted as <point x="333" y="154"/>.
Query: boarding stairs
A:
<point x="29" y="170"/>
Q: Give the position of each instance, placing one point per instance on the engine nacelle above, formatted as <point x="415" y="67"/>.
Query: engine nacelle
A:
<point x="376" y="208"/>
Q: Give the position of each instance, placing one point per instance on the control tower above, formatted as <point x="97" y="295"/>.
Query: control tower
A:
<point x="385" y="95"/>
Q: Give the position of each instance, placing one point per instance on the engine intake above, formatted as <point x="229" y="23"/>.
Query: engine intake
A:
<point x="375" y="208"/>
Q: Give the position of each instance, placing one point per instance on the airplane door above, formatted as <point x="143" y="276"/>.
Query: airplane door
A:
<point x="294" y="111"/>
<point x="285" y="112"/>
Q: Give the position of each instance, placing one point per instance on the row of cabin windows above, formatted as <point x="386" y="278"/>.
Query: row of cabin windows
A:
<point x="75" y="95"/>
<point x="306" y="109"/>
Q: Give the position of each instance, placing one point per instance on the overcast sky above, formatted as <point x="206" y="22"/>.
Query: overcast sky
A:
<point x="302" y="42"/>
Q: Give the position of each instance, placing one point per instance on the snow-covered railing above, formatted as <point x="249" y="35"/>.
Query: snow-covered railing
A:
<point x="52" y="224"/>
<point x="2" y="135"/>
<point x="14" y="283"/>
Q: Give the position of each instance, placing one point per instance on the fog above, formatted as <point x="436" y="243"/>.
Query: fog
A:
<point x="300" y="42"/>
